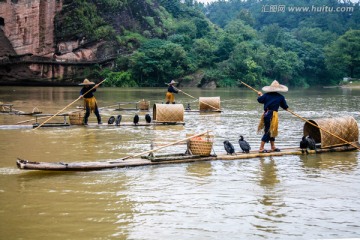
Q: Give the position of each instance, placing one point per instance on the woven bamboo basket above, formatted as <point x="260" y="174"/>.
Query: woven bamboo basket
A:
<point x="144" y="105"/>
<point x="77" y="118"/>
<point x="209" y="103"/>
<point x="344" y="127"/>
<point x="168" y="113"/>
<point x="200" y="145"/>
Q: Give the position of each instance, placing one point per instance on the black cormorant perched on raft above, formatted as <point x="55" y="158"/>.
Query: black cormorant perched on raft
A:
<point x="229" y="148"/>
<point x="307" y="142"/>
<point x="118" y="120"/>
<point x="111" y="120"/>
<point x="244" y="145"/>
<point x="136" y="119"/>
<point x="148" y="118"/>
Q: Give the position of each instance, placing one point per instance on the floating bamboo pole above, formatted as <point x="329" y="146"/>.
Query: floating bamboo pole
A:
<point x="167" y="145"/>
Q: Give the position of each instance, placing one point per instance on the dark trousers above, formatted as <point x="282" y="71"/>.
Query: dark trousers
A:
<point x="267" y="122"/>
<point x="87" y="114"/>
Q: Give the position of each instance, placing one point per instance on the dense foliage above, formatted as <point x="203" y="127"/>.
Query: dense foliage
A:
<point x="300" y="43"/>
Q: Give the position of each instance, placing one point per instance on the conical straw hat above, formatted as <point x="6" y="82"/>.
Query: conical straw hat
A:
<point x="275" y="87"/>
<point x="86" y="82"/>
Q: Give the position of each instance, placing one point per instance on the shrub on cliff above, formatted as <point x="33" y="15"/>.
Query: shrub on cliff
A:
<point x="80" y="19"/>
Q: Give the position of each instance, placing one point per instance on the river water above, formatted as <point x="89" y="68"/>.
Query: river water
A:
<point x="289" y="197"/>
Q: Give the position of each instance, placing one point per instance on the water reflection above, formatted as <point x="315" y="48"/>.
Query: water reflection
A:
<point x="343" y="162"/>
<point x="271" y="210"/>
<point x="268" y="172"/>
<point x="199" y="169"/>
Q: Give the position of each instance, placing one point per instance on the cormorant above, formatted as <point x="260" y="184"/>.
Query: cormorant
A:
<point x="136" y="119"/>
<point x="307" y="142"/>
<point x="148" y="118"/>
<point x="118" y="120"/>
<point x="244" y="145"/>
<point x="111" y="120"/>
<point x="229" y="148"/>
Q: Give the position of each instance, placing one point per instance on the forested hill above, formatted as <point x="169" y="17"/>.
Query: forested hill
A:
<point x="302" y="42"/>
<point x="316" y="43"/>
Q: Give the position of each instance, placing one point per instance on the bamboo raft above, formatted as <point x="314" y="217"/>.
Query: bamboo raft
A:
<point x="90" y="125"/>
<point x="164" y="159"/>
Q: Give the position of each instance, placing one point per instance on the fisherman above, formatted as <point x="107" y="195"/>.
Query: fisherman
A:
<point x="170" y="98"/>
<point x="269" y="121"/>
<point x="90" y="103"/>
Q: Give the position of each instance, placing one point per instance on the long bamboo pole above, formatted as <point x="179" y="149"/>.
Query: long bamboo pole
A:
<point x="250" y="87"/>
<point x="313" y="124"/>
<point x="33" y="119"/>
<point x="69" y="104"/>
<point x="167" y="145"/>
<point x="215" y="108"/>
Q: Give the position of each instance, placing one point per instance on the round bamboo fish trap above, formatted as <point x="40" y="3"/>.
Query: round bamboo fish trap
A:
<point x="144" y="105"/>
<point x="200" y="145"/>
<point x="209" y="103"/>
<point x="344" y="127"/>
<point x="77" y="118"/>
<point x="168" y="113"/>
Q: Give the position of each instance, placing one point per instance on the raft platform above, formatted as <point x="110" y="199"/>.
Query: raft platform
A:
<point x="104" y="125"/>
<point x="163" y="159"/>
<point x="203" y="111"/>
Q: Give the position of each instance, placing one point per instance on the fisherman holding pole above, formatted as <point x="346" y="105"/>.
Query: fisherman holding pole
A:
<point x="281" y="88"/>
<point x="90" y="103"/>
<point x="170" y="98"/>
<point x="89" y="89"/>
<point x="269" y="121"/>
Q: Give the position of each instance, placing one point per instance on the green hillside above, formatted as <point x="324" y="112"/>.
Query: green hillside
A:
<point x="253" y="41"/>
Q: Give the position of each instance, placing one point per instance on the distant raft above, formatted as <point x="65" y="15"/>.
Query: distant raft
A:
<point x="344" y="127"/>
<point x="209" y="103"/>
<point x="168" y="113"/>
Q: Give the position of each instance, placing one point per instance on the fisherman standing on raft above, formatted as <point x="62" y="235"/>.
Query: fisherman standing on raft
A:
<point x="269" y="121"/>
<point x="170" y="98"/>
<point x="90" y="103"/>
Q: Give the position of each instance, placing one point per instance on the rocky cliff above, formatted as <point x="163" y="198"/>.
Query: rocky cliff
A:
<point x="56" y="41"/>
<point x="27" y="29"/>
<point x="29" y="25"/>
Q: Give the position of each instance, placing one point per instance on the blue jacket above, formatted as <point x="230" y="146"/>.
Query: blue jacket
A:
<point x="89" y="94"/>
<point x="172" y="89"/>
<point x="272" y="101"/>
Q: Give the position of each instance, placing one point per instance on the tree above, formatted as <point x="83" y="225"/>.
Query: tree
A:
<point x="283" y="66"/>
<point x="157" y="61"/>
<point x="203" y="52"/>
<point x="342" y="57"/>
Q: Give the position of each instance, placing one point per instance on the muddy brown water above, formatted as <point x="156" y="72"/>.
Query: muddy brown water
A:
<point x="289" y="197"/>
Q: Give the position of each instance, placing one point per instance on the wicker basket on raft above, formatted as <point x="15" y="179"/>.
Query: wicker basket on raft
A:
<point x="344" y="127"/>
<point x="200" y="145"/>
<point x="209" y="103"/>
<point x="168" y="113"/>
<point x="77" y="118"/>
<point x="144" y="105"/>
